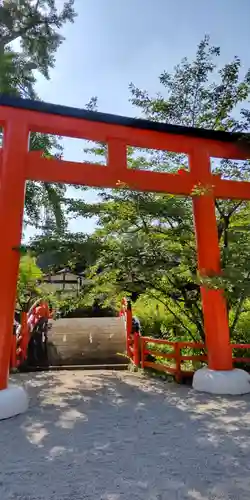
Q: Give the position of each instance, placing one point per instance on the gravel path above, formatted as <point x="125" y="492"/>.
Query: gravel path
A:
<point x="119" y="436"/>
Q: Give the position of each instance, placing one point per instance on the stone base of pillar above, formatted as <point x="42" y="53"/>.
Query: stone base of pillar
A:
<point x="13" y="401"/>
<point x="230" y="382"/>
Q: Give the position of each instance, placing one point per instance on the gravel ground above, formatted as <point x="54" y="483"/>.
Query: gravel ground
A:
<point x="120" y="436"/>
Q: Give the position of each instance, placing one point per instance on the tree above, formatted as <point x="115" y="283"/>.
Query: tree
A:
<point x="36" y="25"/>
<point x="76" y="251"/>
<point x="148" y="239"/>
<point x="27" y="286"/>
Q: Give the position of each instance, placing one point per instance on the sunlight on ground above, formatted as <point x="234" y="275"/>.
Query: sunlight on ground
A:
<point x="117" y="435"/>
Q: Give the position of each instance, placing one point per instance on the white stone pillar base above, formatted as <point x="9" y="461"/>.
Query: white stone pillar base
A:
<point x="222" y="382"/>
<point x="13" y="401"/>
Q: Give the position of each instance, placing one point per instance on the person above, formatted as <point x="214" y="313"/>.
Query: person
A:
<point x="17" y="329"/>
<point x="39" y="316"/>
<point x="38" y="325"/>
<point x="136" y="325"/>
<point x="124" y="306"/>
<point x="31" y="321"/>
<point x="16" y="349"/>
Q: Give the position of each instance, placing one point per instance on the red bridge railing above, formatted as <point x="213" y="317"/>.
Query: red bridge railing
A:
<point x="20" y="344"/>
<point x="173" y="362"/>
<point x="174" y="356"/>
<point x="168" y="356"/>
<point x="19" y="348"/>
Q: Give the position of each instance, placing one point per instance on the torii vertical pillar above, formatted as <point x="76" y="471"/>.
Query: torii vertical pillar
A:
<point x="13" y="399"/>
<point x="219" y="377"/>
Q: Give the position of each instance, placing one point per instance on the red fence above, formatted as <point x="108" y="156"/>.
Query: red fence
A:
<point x="171" y="361"/>
<point x="167" y="356"/>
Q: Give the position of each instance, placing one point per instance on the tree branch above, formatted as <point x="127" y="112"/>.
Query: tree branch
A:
<point x="238" y="309"/>
<point x="173" y="314"/>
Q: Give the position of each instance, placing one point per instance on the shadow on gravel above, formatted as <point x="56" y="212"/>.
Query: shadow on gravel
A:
<point x="118" y="436"/>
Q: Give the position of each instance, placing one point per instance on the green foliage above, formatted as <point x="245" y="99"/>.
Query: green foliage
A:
<point x="27" y="285"/>
<point x="82" y="306"/>
<point x="30" y="285"/>
<point x="16" y="77"/>
<point x="55" y="251"/>
<point x="198" y="93"/>
<point x="155" y="319"/>
<point x="36" y="25"/>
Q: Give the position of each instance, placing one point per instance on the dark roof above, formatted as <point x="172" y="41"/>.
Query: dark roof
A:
<point x="66" y="270"/>
<point x="95" y="116"/>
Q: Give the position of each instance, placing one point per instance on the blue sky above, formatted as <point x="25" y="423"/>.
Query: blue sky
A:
<point x="114" y="42"/>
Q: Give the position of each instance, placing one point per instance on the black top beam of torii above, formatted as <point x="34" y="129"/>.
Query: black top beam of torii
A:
<point x="96" y="116"/>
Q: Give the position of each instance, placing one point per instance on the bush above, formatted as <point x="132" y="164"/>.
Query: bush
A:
<point x="156" y="321"/>
<point x="153" y="317"/>
<point x="28" y="278"/>
<point x="78" y="307"/>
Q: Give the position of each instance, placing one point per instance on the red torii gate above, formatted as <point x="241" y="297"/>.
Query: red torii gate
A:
<point x="19" y="117"/>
